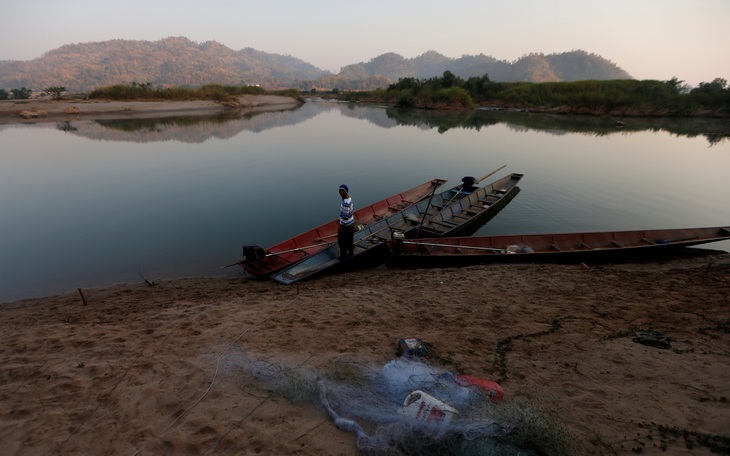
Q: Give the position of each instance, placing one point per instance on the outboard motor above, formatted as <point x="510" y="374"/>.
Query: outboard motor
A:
<point x="254" y="253"/>
<point x="468" y="181"/>
<point x="397" y="244"/>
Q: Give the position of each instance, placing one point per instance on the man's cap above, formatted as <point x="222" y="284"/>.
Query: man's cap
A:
<point x="344" y="187"/>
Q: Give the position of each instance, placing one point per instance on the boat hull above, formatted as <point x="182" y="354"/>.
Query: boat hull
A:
<point x="553" y="248"/>
<point x="262" y="263"/>
<point x="370" y="242"/>
<point x="466" y="216"/>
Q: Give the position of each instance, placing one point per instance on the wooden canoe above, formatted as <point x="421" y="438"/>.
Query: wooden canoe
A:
<point x="264" y="262"/>
<point x="555" y="248"/>
<point x="465" y="216"/>
<point x="370" y="242"/>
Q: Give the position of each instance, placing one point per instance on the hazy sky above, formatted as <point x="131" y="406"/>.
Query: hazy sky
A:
<point x="651" y="39"/>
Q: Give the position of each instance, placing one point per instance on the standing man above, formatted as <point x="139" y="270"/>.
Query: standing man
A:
<point x="346" y="229"/>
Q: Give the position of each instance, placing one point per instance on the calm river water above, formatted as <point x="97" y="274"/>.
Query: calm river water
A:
<point x="92" y="202"/>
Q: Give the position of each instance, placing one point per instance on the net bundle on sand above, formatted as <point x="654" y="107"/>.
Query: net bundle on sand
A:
<point x="408" y="406"/>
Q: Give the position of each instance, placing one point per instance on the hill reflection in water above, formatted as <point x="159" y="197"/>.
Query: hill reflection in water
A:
<point x="198" y="129"/>
<point x="714" y="130"/>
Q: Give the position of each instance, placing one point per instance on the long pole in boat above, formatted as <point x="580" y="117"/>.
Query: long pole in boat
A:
<point x="473" y="247"/>
<point x="425" y="212"/>
<point x="487" y="175"/>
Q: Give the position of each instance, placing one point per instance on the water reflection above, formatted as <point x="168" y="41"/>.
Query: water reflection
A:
<point x="65" y="126"/>
<point x="198" y="129"/>
<point x="714" y="130"/>
<point x="192" y="129"/>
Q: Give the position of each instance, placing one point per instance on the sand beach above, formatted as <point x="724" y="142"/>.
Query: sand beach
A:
<point x="46" y="109"/>
<point x="209" y="365"/>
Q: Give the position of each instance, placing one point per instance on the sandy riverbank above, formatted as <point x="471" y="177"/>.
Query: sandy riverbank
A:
<point x="195" y="366"/>
<point x="46" y="109"/>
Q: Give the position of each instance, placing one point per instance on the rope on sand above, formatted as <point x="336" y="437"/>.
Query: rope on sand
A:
<point x="342" y="423"/>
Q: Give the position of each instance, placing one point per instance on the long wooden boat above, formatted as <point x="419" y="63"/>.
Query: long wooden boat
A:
<point x="370" y="242"/>
<point x="556" y="248"/>
<point x="261" y="262"/>
<point x="465" y="216"/>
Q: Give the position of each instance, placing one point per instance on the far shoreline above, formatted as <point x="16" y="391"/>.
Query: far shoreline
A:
<point x="20" y="111"/>
<point x="567" y="110"/>
<point x="44" y="109"/>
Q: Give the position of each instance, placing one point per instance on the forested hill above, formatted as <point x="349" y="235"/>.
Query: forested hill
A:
<point x="178" y="61"/>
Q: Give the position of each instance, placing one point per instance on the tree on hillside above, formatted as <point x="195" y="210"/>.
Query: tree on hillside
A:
<point x="679" y="87"/>
<point x="55" y="91"/>
<point x="4" y="95"/>
<point x="480" y="88"/>
<point x="406" y="84"/>
<point x="142" y="85"/>
<point x="717" y="85"/>
<point x="450" y="80"/>
<point x="21" y="94"/>
<point x="712" y="95"/>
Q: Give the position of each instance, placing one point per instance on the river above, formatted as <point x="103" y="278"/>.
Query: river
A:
<point x="92" y="202"/>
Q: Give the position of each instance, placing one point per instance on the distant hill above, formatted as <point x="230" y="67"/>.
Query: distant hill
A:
<point x="178" y="61"/>
<point x="568" y="66"/>
<point x="171" y="61"/>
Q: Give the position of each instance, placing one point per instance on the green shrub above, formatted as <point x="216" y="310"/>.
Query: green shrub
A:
<point x="453" y="96"/>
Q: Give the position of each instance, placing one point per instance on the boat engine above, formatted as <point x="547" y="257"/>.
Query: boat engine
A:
<point x="253" y="253"/>
<point x="468" y="181"/>
<point x="397" y="244"/>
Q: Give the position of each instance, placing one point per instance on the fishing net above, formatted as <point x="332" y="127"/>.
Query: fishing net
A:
<point x="369" y="401"/>
<point x="441" y="412"/>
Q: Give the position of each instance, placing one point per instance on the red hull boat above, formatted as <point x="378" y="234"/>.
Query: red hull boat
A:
<point x="262" y="263"/>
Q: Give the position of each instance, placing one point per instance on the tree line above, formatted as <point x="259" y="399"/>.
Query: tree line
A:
<point x="146" y="91"/>
<point x="217" y="92"/>
<point x="56" y="92"/>
<point x="626" y="96"/>
<point x="671" y="97"/>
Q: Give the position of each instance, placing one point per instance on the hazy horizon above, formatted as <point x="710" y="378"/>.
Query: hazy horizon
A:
<point x="650" y="39"/>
